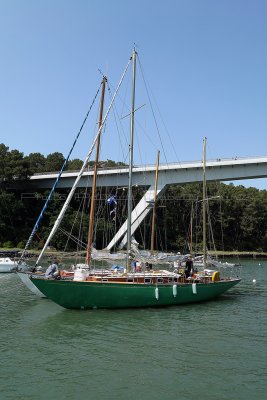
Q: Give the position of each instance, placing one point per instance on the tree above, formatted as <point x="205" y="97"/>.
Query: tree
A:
<point x="36" y="162"/>
<point x="3" y="161"/>
<point x="11" y="217"/>
<point x="54" y="162"/>
<point x="74" y="165"/>
<point x="13" y="166"/>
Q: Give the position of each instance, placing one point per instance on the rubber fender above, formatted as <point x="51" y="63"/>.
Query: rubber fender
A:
<point x="215" y="276"/>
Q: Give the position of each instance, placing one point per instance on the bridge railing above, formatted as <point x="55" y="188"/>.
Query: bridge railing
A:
<point x="120" y="167"/>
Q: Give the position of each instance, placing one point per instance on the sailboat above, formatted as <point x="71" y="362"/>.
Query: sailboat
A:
<point x="128" y="288"/>
<point x="206" y="260"/>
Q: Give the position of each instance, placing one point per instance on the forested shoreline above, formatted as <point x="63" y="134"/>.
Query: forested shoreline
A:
<point x="237" y="215"/>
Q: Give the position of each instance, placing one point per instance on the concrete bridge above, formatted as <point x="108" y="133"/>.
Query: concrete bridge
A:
<point x="176" y="173"/>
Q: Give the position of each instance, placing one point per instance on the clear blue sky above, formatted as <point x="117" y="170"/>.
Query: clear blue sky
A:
<point x="204" y="60"/>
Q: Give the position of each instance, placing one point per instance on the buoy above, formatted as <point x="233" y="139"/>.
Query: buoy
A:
<point x="194" y="288"/>
<point x="254" y="281"/>
<point x="174" y="290"/>
<point x="157" y="293"/>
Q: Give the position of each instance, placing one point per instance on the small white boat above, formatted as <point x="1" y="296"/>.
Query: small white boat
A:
<point x="7" y="265"/>
<point x="211" y="262"/>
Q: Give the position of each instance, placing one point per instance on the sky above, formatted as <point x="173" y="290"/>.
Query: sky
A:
<point x="204" y="65"/>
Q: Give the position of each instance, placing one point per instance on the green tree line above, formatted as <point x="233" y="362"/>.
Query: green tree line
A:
<point x="237" y="216"/>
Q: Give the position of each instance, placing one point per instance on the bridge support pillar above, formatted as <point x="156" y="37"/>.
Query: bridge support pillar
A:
<point x="138" y="215"/>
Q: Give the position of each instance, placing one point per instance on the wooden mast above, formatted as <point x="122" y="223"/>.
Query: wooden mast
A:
<point x="129" y="218"/>
<point x="154" y="207"/>
<point x="204" y="204"/>
<point x="92" y="209"/>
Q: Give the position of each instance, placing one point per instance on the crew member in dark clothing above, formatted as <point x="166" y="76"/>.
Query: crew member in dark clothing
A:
<point x="189" y="268"/>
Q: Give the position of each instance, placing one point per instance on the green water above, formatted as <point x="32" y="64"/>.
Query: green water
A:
<point x="212" y="351"/>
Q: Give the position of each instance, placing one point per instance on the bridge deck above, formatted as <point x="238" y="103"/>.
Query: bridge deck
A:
<point x="177" y="173"/>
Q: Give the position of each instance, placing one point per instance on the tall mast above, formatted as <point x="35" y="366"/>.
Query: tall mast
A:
<point x="92" y="210"/>
<point x="204" y="203"/>
<point x="154" y="208"/>
<point x="191" y="230"/>
<point x="71" y="193"/>
<point x="129" y="219"/>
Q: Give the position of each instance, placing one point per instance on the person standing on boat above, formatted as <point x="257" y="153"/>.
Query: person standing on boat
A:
<point x="133" y="265"/>
<point x="52" y="271"/>
<point x="148" y="266"/>
<point x="189" y="267"/>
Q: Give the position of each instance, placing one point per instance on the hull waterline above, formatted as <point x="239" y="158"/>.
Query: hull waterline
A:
<point x="93" y="295"/>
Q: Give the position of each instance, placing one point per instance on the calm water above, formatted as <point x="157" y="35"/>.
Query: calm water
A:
<point x="212" y="351"/>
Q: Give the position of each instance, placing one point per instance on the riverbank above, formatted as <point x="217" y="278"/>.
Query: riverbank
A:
<point x="240" y="254"/>
<point x="52" y="254"/>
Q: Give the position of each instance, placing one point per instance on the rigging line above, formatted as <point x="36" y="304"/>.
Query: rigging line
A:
<point x="122" y="100"/>
<point x="165" y="127"/>
<point x="84" y="204"/>
<point x="138" y="108"/>
<point x="141" y="127"/>
<point x="100" y="217"/>
<point x="36" y="226"/>
<point x="212" y="241"/>
<point x="209" y="150"/>
<point x="125" y="94"/>
<point x="139" y="224"/>
<point x="138" y="141"/>
<point x="149" y="99"/>
<point x="159" y="240"/>
<point x="116" y="117"/>
<point x="221" y="218"/>
<point x="81" y="205"/>
<point x="85" y="163"/>
<point x="136" y="122"/>
<point x="73" y="238"/>
<point x="162" y="120"/>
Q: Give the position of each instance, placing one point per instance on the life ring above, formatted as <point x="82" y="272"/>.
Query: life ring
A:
<point x="215" y="276"/>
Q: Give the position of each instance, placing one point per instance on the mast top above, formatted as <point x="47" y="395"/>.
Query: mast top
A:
<point x="134" y="53"/>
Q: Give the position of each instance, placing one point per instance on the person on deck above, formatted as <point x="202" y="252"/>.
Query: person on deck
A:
<point x="189" y="268"/>
<point x="148" y="266"/>
<point x="138" y="267"/>
<point x="133" y="266"/>
<point x="52" y="271"/>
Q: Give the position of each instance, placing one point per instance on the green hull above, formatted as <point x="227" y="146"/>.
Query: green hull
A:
<point x="92" y="295"/>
